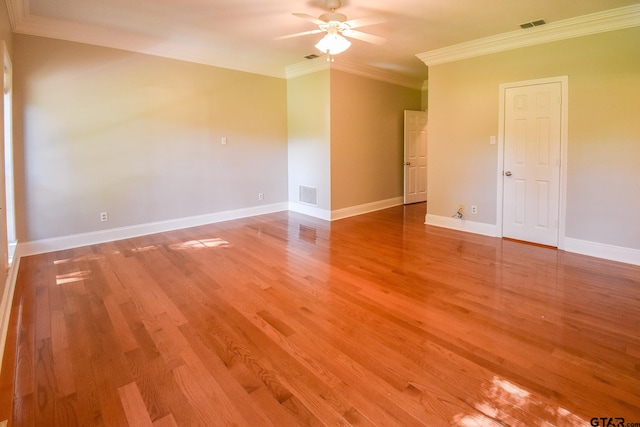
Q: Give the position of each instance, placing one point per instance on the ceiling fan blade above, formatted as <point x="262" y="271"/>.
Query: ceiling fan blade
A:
<point x="309" y="18"/>
<point x="370" y="20"/>
<point x="369" y="38"/>
<point x="304" y="33"/>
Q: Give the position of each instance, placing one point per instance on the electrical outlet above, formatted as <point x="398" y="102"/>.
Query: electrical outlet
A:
<point x="474" y="209"/>
<point x="260" y="196"/>
<point x="104" y="217"/>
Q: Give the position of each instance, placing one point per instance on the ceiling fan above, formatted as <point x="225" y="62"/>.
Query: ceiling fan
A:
<point x="337" y="27"/>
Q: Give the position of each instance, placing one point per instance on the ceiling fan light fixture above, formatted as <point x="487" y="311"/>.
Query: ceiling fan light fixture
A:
<point x="333" y="44"/>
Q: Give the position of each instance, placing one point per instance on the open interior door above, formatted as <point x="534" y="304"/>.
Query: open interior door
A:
<point x="415" y="156"/>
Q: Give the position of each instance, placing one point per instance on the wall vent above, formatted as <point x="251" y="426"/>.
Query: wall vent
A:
<point x="308" y="195"/>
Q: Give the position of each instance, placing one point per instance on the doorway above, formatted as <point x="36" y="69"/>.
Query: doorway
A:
<point x="532" y="161"/>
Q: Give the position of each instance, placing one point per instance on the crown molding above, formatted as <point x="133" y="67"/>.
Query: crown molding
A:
<point x="309" y="66"/>
<point x="377" y="74"/>
<point x="25" y="23"/>
<point x="34" y="25"/>
<point x="609" y="20"/>
<point x="321" y="63"/>
<point x="22" y="22"/>
<point x="16" y="10"/>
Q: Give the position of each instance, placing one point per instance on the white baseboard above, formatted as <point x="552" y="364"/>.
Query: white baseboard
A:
<point x="96" y="237"/>
<point x="310" y="210"/>
<point x="366" y="208"/>
<point x="602" y="250"/>
<point x="85" y="239"/>
<point x="583" y="247"/>
<point x="344" y="212"/>
<point x="7" y="301"/>
<point x="461" y="225"/>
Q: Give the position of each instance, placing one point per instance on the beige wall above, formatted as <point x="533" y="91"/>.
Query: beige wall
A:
<point x="367" y="139"/>
<point x="308" y="101"/>
<point x="140" y="137"/>
<point x="345" y="137"/>
<point x="603" y="176"/>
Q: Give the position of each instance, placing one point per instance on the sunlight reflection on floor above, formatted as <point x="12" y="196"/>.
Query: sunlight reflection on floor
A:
<point x="144" y="248"/>
<point x="76" y="276"/>
<point x="80" y="275"/>
<point x="508" y="404"/>
<point x="215" y="242"/>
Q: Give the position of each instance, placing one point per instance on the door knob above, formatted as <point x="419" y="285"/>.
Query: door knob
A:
<point x="507" y="173"/>
<point x="407" y="163"/>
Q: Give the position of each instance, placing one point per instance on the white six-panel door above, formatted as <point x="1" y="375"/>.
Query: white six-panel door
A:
<point x="531" y="175"/>
<point x="415" y="156"/>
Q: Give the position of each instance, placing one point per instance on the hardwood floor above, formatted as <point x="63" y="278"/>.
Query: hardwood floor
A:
<point x="287" y="320"/>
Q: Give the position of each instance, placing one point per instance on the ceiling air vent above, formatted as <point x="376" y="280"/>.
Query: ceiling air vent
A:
<point x="531" y="24"/>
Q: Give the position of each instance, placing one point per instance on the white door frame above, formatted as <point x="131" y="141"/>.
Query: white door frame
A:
<point x="7" y="137"/>
<point x="564" y="134"/>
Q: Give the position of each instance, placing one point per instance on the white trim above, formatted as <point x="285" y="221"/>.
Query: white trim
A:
<point x="564" y="162"/>
<point x="82" y="33"/>
<point x="595" y="249"/>
<point x="609" y="20"/>
<point x="12" y="250"/>
<point x="96" y="237"/>
<point x="461" y="225"/>
<point x="41" y="26"/>
<point x="365" y="208"/>
<point x="8" y="142"/>
<point x="344" y="212"/>
<point x="16" y="10"/>
<point x="310" y="210"/>
<point x="321" y="64"/>
<point x="377" y="74"/>
<point x="85" y="239"/>
<point x="582" y="247"/>
<point x="602" y="250"/>
<point x="564" y="142"/>
<point x="500" y="164"/>
<point x="7" y="301"/>
<point x="306" y="67"/>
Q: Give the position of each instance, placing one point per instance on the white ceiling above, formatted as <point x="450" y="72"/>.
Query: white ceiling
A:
<point x="240" y="34"/>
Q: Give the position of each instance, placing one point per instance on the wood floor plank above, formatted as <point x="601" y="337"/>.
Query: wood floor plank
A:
<point x="66" y="411"/>
<point x="134" y="406"/>
<point x="146" y="372"/>
<point x="45" y="383"/>
<point x="86" y="396"/>
<point x="237" y="382"/>
<point x="167" y="421"/>
<point x="25" y="351"/>
<point x="121" y="327"/>
<point x="288" y="320"/>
